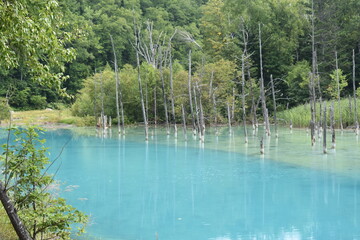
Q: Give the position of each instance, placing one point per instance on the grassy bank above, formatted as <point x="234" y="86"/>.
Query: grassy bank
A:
<point x="300" y="115"/>
<point x="6" y="230"/>
<point x="49" y="118"/>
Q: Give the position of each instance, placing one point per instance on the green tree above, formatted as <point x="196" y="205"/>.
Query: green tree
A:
<point x="29" y="186"/>
<point x="32" y="38"/>
<point x="297" y="81"/>
<point x="332" y="88"/>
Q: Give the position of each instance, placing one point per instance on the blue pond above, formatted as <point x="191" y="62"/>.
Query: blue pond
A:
<point x="170" y="190"/>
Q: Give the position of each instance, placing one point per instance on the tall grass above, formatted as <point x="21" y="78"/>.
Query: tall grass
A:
<point x="6" y="230"/>
<point x="300" y="115"/>
<point x="49" y="117"/>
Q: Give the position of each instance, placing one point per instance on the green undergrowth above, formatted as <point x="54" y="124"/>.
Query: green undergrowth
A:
<point x="6" y="230"/>
<point x="300" y="116"/>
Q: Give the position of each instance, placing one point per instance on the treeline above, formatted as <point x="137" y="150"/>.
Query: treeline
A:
<point x="213" y="43"/>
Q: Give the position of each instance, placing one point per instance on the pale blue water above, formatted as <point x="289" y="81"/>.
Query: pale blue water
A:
<point x="167" y="190"/>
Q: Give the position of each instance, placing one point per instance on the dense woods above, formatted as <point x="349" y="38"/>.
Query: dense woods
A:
<point x="209" y="56"/>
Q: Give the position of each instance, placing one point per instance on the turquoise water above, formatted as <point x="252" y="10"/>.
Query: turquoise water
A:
<point x="220" y="190"/>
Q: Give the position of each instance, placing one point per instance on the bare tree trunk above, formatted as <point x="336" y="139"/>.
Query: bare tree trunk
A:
<point x="215" y="113"/>
<point x="324" y="130"/>
<point x="262" y="90"/>
<point x="312" y="109"/>
<point x="102" y="103"/>
<point x="172" y="95"/>
<point x="164" y="96"/>
<point x="229" y="116"/>
<point x="332" y="125"/>
<point x="190" y="95"/>
<point x="184" y="121"/>
<point x="118" y="93"/>
<point x="338" y="88"/>
<point x="142" y="98"/>
<point x="95" y="114"/>
<point x="197" y="112"/>
<point x="17" y="224"/>
<point x="243" y="95"/>
<point x="233" y="105"/>
<point x="355" y="101"/>
<point x="254" y="120"/>
<point x="262" y="149"/>
<point x="274" y="100"/>
<point x="319" y="91"/>
<point x="155" y="110"/>
<point x="201" y="115"/>
<point x="211" y="84"/>
<point x="312" y="76"/>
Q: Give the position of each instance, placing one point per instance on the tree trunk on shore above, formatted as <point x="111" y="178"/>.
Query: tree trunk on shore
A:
<point x="17" y="224"/>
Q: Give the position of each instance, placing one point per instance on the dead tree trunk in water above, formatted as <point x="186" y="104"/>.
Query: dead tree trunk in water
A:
<point x="197" y="112"/>
<point x="17" y="224"/>
<point x="95" y="113"/>
<point x="338" y="91"/>
<point x="246" y="65"/>
<point x="151" y="59"/>
<point x="355" y="101"/>
<point x="172" y="95"/>
<point x="324" y="130"/>
<point x="190" y="96"/>
<point x="142" y="98"/>
<point x="155" y="110"/>
<point x="201" y="115"/>
<point x="243" y="95"/>
<point x="103" y="124"/>
<point x="332" y="126"/>
<point x="274" y="100"/>
<point x="118" y="93"/>
<point x="184" y="121"/>
<point x="229" y="116"/>
<point x="312" y="108"/>
<point x="233" y="105"/>
<point x="215" y="113"/>
<point x="262" y="89"/>
<point x="164" y="95"/>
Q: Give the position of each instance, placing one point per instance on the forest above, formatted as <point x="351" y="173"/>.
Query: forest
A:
<point x="175" y="63"/>
<point x="212" y="56"/>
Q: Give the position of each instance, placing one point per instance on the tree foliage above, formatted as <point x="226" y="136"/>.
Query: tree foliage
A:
<point x="32" y="189"/>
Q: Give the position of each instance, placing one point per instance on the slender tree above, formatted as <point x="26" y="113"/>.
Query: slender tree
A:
<point x="137" y="48"/>
<point x="324" y="130"/>
<point x="262" y="88"/>
<point x="356" y="121"/>
<point x="184" y="121"/>
<point x="164" y="92"/>
<point x="338" y="90"/>
<point x="332" y="126"/>
<point x="190" y="95"/>
<point x="172" y="93"/>
<point x="243" y="95"/>
<point x="274" y="102"/>
<point x="118" y="94"/>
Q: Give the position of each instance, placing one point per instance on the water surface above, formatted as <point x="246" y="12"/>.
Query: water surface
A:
<point x="222" y="189"/>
